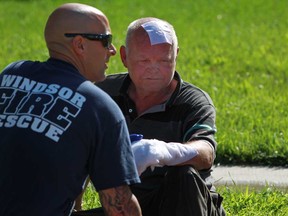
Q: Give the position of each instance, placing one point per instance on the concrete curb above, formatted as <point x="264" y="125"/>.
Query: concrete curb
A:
<point x="252" y="176"/>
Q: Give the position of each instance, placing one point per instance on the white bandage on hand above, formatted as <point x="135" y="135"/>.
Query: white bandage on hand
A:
<point x="152" y="152"/>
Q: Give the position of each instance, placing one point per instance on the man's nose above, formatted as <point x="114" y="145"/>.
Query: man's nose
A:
<point x="112" y="50"/>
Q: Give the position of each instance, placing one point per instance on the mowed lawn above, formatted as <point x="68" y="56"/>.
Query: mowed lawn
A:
<point x="236" y="50"/>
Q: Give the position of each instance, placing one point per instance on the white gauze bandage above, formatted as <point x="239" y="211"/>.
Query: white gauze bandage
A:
<point x="152" y="153"/>
<point x="158" y="32"/>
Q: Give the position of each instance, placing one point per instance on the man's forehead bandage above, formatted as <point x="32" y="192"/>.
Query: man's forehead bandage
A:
<point x="158" y="32"/>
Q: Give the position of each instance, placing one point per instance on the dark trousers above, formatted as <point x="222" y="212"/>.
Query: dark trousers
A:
<point x="183" y="193"/>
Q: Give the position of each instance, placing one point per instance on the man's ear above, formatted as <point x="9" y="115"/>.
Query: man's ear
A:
<point x="123" y="55"/>
<point x="78" y="44"/>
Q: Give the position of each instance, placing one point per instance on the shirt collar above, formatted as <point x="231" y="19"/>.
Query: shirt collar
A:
<point x="127" y="81"/>
<point x="58" y="62"/>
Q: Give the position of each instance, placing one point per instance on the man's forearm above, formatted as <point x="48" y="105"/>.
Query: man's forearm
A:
<point x="205" y="157"/>
<point x="119" y="201"/>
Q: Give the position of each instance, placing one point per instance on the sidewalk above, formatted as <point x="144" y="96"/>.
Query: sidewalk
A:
<point x="253" y="176"/>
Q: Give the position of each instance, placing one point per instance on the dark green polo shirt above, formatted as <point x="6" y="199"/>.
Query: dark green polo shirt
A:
<point x="189" y="114"/>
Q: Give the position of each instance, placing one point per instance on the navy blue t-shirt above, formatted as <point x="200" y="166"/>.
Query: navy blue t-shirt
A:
<point x="56" y="128"/>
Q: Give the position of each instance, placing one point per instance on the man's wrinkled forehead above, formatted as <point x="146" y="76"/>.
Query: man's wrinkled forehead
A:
<point x="158" y="32"/>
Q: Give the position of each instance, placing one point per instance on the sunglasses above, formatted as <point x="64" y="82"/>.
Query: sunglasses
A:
<point x="106" y="39"/>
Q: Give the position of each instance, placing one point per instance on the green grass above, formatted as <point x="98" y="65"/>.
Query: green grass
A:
<point x="262" y="202"/>
<point x="238" y="201"/>
<point x="236" y="50"/>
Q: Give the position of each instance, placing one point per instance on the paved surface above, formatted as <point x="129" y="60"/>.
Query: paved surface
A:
<point x="253" y="176"/>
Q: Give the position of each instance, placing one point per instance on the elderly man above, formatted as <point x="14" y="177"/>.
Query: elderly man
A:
<point x="176" y="119"/>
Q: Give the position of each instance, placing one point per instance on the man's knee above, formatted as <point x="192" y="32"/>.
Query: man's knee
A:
<point x="183" y="173"/>
<point x="184" y="178"/>
<point x="182" y="170"/>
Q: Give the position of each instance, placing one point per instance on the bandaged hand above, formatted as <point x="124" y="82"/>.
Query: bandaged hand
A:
<point x="152" y="152"/>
